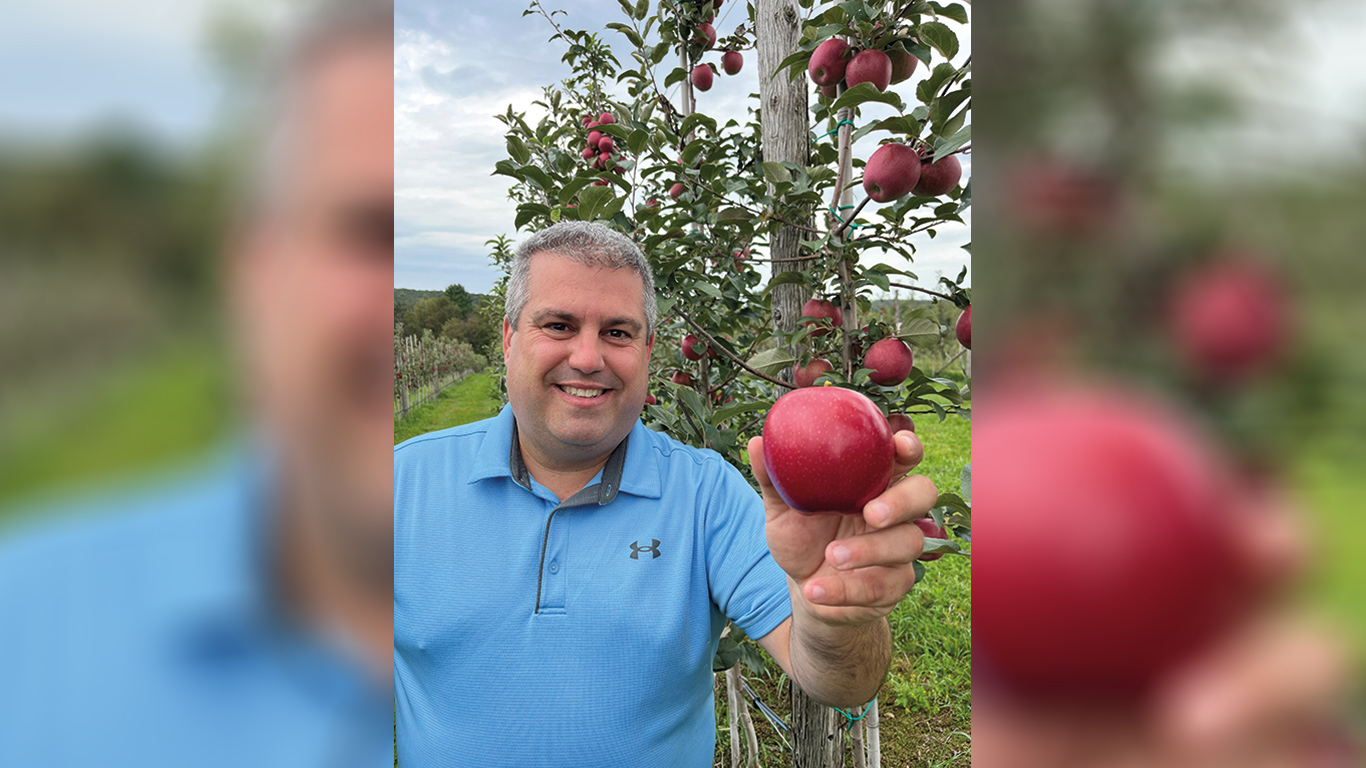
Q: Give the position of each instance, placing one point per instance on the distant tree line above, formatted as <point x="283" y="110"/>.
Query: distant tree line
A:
<point x="450" y="314"/>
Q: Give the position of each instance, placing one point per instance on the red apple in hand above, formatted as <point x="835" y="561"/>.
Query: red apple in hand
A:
<point x="821" y="309"/>
<point x="869" y="67"/>
<point x="891" y="172"/>
<point x="806" y="375"/>
<point x="702" y="77"/>
<point x="963" y="330"/>
<point x="891" y="360"/>
<point x="828" y="62"/>
<point x="938" y="177"/>
<point x="827" y="450"/>
<point x="928" y="527"/>
<point x="1106" y="543"/>
<point x="732" y="61"/>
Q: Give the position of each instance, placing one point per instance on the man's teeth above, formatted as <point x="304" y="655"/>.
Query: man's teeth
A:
<point x="583" y="392"/>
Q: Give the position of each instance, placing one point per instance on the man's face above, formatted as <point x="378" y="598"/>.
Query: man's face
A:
<point x="578" y="360"/>
<point x="312" y="287"/>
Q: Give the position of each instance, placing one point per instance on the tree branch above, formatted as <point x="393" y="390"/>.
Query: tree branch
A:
<point x="943" y="296"/>
<point x="707" y="337"/>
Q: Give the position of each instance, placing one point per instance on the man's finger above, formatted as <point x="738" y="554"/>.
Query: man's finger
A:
<point x="877" y="587"/>
<point x="909" y="452"/>
<point x="896" y="546"/>
<point x="902" y="502"/>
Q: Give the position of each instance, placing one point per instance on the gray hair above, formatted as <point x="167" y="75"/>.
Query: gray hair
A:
<point x="324" y="27"/>
<point x="590" y="244"/>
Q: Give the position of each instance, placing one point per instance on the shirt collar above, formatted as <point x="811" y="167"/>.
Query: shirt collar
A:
<point x="634" y="471"/>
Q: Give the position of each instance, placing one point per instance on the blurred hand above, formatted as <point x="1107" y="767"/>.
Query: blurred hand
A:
<point x="851" y="569"/>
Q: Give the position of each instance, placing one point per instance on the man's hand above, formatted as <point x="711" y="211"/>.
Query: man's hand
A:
<point x="851" y="569"/>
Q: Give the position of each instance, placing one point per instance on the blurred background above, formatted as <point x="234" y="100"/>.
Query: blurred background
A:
<point x="1170" y="219"/>
<point x="121" y="127"/>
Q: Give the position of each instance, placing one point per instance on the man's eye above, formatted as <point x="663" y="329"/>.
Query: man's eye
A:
<point x="558" y="327"/>
<point x="619" y="334"/>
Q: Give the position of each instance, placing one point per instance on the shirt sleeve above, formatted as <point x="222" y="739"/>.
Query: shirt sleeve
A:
<point x="745" y="582"/>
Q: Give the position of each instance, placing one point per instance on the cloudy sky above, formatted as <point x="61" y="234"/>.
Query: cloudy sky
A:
<point x="455" y="68"/>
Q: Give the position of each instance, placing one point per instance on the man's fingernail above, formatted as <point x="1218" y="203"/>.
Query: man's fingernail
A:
<point x="840" y="555"/>
<point x="818" y="594"/>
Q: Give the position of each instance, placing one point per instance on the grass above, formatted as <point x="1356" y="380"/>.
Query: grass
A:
<point x="474" y="398"/>
<point x="152" y="411"/>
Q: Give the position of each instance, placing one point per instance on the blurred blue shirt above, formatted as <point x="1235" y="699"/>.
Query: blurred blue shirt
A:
<point x="144" y="631"/>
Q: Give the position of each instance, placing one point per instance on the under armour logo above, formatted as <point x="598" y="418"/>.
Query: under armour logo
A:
<point x="653" y="549"/>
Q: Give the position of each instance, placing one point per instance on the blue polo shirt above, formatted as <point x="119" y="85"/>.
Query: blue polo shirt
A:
<point x="530" y="632"/>
<point x="140" y="628"/>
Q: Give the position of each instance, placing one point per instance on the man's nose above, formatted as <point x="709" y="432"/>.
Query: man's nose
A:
<point x="586" y="355"/>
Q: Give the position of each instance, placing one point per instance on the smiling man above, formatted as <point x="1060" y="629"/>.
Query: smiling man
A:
<point x="562" y="568"/>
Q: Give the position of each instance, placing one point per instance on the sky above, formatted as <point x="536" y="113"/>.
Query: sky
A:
<point x="69" y="68"/>
<point x="455" y="68"/>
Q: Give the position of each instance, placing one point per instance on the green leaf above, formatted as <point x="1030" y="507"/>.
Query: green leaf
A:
<point x="776" y="173"/>
<point x="735" y="410"/>
<point x="626" y="6"/>
<point x="930" y="86"/>
<point x="691" y="152"/>
<point x="707" y="288"/>
<point x="727" y="654"/>
<point x="517" y="149"/>
<point x="940" y="37"/>
<point x="693" y="401"/>
<point x="945" y="147"/>
<point x="954" y="502"/>
<point x="637" y="140"/>
<point x="643" y="10"/>
<point x="539" y="176"/>
<point x="953" y="11"/>
<point x="771" y="361"/>
<point x="732" y="214"/>
<point x="592" y="201"/>
<point x="918" y="568"/>
<point x="792" y="60"/>
<point x="965" y="484"/>
<point x="944" y="106"/>
<point x="692" y="121"/>
<point x="527" y="212"/>
<point x="865" y="92"/>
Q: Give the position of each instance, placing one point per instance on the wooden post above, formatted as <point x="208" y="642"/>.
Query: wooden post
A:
<point x="873" y="729"/>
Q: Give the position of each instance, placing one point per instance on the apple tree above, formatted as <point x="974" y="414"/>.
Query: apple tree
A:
<point x="739" y="240"/>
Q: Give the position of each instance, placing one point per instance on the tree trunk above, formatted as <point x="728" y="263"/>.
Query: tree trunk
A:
<point x="786" y="138"/>
<point x="818" y="740"/>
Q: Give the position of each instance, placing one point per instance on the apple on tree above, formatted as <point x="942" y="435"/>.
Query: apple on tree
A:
<point x="900" y="422"/>
<point x="869" y="67"/>
<point x="682" y="379"/>
<point x="689" y="342"/>
<point x="828" y="62"/>
<point x="903" y="64"/>
<point x="891" y="361"/>
<point x="938" y="177"/>
<point x="963" y="330"/>
<point x="706" y="34"/>
<point x="891" y="172"/>
<point x="702" y="77"/>
<point x="820" y="309"/>
<point x="805" y="375"/>
<point x="828" y="450"/>
<point x="606" y="118"/>
<point x="931" y="530"/>
<point x="1230" y="320"/>
<point x="731" y="62"/>
<point x="676" y="190"/>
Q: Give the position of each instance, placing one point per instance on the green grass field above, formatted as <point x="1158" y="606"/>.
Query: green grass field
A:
<point x="925" y="705"/>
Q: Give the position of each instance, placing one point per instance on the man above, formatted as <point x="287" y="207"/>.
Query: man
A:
<point x="562" y="574"/>
<point x="241" y="616"/>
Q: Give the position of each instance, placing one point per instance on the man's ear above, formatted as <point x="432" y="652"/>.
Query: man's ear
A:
<point x="507" y="336"/>
<point x="650" y="345"/>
